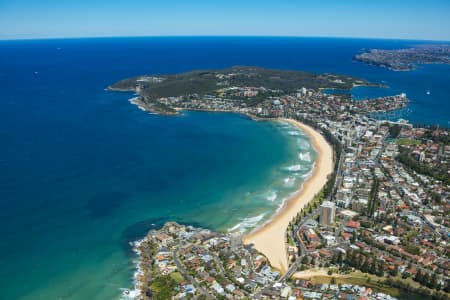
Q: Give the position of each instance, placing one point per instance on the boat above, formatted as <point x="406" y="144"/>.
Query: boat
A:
<point x="428" y="93"/>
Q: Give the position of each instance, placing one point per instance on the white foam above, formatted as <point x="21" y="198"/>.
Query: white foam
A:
<point x="272" y="196"/>
<point x="294" y="133"/>
<point x="247" y="223"/>
<point x="289" y="181"/>
<point x="294" y="168"/>
<point x="305" y="156"/>
<point x="129" y="294"/>
<point x="134" y="101"/>
<point x="285" y="126"/>
<point x="303" y="144"/>
<point x="307" y="175"/>
<point x="134" y="293"/>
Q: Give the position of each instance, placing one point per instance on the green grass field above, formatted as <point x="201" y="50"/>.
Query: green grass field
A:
<point x="358" y="278"/>
<point x="177" y="277"/>
<point x="407" y="142"/>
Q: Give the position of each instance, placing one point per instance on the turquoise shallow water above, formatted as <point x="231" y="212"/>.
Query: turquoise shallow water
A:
<point x="83" y="172"/>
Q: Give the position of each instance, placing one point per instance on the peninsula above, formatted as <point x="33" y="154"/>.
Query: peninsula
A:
<point x="251" y="90"/>
<point x="371" y="212"/>
<point x="406" y="59"/>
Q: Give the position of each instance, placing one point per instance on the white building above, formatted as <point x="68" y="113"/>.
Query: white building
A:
<point x="327" y="213"/>
<point x="329" y="239"/>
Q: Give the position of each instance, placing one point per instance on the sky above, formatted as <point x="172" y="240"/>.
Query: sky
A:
<point x="413" y="19"/>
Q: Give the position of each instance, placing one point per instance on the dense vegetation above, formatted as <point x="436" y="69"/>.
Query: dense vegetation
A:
<point x="373" y="265"/>
<point x="440" y="139"/>
<point x="394" y="130"/>
<point x="435" y="295"/>
<point x="206" y="82"/>
<point x="163" y="287"/>
<point x="373" y="198"/>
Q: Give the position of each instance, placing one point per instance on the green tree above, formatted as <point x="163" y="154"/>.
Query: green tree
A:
<point x="373" y="267"/>
<point x="304" y="260"/>
<point x="365" y="267"/>
<point x="433" y="281"/>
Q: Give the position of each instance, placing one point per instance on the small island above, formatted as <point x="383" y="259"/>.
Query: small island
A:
<point x="406" y="59"/>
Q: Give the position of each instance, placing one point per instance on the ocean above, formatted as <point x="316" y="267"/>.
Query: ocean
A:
<point x="83" y="172"/>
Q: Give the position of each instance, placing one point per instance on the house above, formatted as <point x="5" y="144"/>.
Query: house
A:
<point x="329" y="239"/>
<point x="286" y="292"/>
<point x="163" y="238"/>
<point x="218" y="288"/>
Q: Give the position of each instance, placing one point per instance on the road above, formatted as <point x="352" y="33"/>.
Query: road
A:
<point x="186" y="275"/>
<point x="302" y="250"/>
<point x="219" y="264"/>
<point x="292" y="269"/>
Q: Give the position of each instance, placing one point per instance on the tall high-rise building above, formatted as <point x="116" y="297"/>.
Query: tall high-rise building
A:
<point x="327" y="213"/>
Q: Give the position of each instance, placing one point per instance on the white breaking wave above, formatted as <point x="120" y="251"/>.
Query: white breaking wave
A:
<point x="309" y="172"/>
<point x="294" y="168"/>
<point x="289" y="181"/>
<point x="272" y="196"/>
<point x="295" y="133"/>
<point x="285" y="126"/>
<point x="305" y="156"/>
<point x="305" y="175"/>
<point x="247" y="223"/>
<point x="134" y="293"/>
<point x="303" y="144"/>
<point x="130" y="294"/>
<point x="134" y="102"/>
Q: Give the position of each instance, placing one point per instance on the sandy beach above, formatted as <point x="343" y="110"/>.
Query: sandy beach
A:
<point x="269" y="239"/>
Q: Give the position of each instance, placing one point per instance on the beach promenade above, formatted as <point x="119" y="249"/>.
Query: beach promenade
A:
<point x="269" y="239"/>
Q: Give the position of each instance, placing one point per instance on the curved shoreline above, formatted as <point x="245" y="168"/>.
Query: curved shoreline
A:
<point x="269" y="239"/>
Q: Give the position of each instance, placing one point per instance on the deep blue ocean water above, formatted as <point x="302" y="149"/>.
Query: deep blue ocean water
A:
<point x="83" y="172"/>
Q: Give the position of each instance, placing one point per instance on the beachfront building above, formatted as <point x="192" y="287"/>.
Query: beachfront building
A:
<point x="327" y="213"/>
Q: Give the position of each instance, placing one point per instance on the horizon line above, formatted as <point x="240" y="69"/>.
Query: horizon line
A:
<point x="220" y="36"/>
